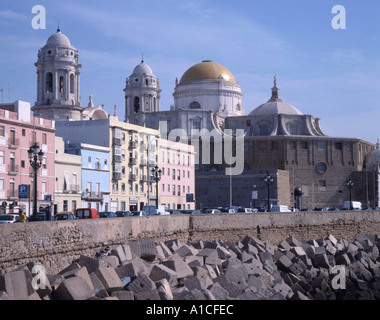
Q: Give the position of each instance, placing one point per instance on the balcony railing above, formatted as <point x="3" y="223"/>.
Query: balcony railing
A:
<point x="132" y="161"/>
<point x="12" y="194"/>
<point x="92" y="195"/>
<point x="116" y="158"/>
<point x="116" y="141"/>
<point x="132" y="144"/>
<point x="116" y="175"/>
<point x="13" y="142"/>
<point x="132" y="177"/>
<point x="13" y="169"/>
<point x="143" y="178"/>
<point x="70" y="188"/>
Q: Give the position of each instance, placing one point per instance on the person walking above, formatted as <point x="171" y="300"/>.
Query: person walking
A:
<point x="21" y="216"/>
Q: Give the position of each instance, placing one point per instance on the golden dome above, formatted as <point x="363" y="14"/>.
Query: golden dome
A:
<point x="208" y="70"/>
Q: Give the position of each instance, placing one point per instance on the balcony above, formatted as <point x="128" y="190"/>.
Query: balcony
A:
<point x="12" y="194"/>
<point x="132" y="144"/>
<point x="116" y="141"/>
<point x="132" y="177"/>
<point x="132" y="161"/>
<point x="116" y="175"/>
<point x="13" y="169"/>
<point x="71" y="188"/>
<point x="116" y="159"/>
<point x="143" y="178"/>
<point x="13" y="143"/>
<point x="143" y="162"/>
<point x="92" y="195"/>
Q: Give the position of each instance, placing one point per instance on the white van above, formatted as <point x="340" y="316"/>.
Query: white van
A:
<point x="280" y="208"/>
<point x="356" y="205"/>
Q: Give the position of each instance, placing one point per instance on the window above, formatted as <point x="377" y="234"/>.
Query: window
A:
<point x="61" y="84"/>
<point x="321" y="146"/>
<point x="338" y="145"/>
<point x="321" y="167"/>
<point x="130" y="188"/>
<point x="194" y="105"/>
<point x="2" y="157"/>
<point x="188" y="174"/>
<point x="44" y="138"/>
<point x="122" y="187"/>
<point x="122" y="203"/>
<point x="322" y="183"/>
<point x="49" y="82"/>
<point x="168" y="187"/>
<point x="65" y="205"/>
<point x="304" y="145"/>
<point x="22" y="163"/>
<point x="249" y="123"/>
<point x="274" y="145"/>
<point x="163" y="171"/>
<point x="23" y="132"/>
<point x="196" y="125"/>
<point x="73" y="205"/>
<point x="2" y="131"/>
<point x="188" y="189"/>
<point x="163" y="187"/>
<point x="1" y="184"/>
<point x="72" y="84"/>
<point x="142" y="188"/>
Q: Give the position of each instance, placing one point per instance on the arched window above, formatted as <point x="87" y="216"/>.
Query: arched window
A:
<point x="49" y="82"/>
<point x="72" y="83"/>
<point x="61" y="84"/>
<point x="194" y="105"/>
<point x="238" y="107"/>
<point x="136" y="104"/>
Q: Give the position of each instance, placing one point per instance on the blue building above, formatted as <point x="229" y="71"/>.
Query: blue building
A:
<point x="95" y="172"/>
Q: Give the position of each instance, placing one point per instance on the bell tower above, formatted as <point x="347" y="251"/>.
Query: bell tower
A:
<point x="58" y="80"/>
<point x="142" y="91"/>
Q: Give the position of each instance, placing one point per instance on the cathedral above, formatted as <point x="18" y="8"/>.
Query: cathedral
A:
<point x="308" y="169"/>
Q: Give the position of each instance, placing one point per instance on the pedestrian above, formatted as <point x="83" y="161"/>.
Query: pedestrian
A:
<point x="21" y="216"/>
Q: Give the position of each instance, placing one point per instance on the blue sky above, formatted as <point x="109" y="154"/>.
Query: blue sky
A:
<point x="331" y="74"/>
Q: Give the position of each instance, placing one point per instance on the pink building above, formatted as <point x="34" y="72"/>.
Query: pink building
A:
<point x="177" y="184"/>
<point x="18" y="131"/>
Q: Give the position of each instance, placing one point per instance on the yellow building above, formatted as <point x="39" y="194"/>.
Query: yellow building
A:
<point x="134" y="152"/>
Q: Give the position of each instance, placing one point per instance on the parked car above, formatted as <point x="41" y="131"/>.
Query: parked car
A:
<point x="211" y="211"/>
<point x="8" y="218"/>
<point x="261" y="209"/>
<point x="248" y="210"/>
<point x="197" y="212"/>
<point x="280" y="208"/>
<point x="355" y="205"/>
<point x="65" y="216"/>
<point x="86" y="213"/>
<point x="334" y="209"/>
<point x="306" y="209"/>
<point x="107" y="214"/>
<point x="138" y="213"/>
<point x="186" y="211"/>
<point x="171" y="211"/>
<point x="124" y="214"/>
<point x="227" y="210"/>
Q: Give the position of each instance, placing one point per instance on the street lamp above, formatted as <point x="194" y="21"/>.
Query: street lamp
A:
<point x="156" y="177"/>
<point x="268" y="180"/>
<point x="350" y="184"/>
<point x="35" y="159"/>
